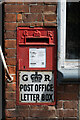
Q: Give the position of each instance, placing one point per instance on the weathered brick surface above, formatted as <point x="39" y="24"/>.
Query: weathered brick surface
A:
<point x="50" y="18"/>
<point x="29" y="17"/>
<point x="67" y="96"/>
<point x="43" y="118"/>
<point x="70" y="105"/>
<point x="10" y="87"/>
<point x="51" y="3"/>
<point x="10" y="35"/>
<point x="23" y="24"/>
<point x="32" y="17"/>
<point x="16" y="8"/>
<point x="68" y="113"/>
<point x="50" y="9"/>
<point x="23" y="107"/>
<point x="10" y="104"/>
<point x="12" y="69"/>
<point x="38" y="24"/>
<point x="10" y="17"/>
<point x="40" y="14"/>
<point x="71" y="88"/>
<point x="10" y="52"/>
<point x="40" y="113"/>
<point x="11" y="61"/>
<point x="36" y="8"/>
<point x="49" y="24"/>
<point x="60" y="104"/>
<point x="10" y="26"/>
<point x="20" y="118"/>
<point x="16" y="113"/>
<point x="40" y="107"/>
<point x="70" y="118"/>
<point x="10" y="43"/>
<point x="10" y="95"/>
<point x="13" y="118"/>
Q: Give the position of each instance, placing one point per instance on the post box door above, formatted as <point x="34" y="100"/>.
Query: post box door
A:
<point x="36" y="65"/>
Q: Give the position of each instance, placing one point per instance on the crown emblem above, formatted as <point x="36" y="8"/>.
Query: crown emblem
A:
<point x="36" y="77"/>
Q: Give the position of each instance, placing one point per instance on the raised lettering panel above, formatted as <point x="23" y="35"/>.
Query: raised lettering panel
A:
<point x="36" y="87"/>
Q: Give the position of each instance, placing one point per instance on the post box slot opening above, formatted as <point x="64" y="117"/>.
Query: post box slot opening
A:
<point x="37" y="40"/>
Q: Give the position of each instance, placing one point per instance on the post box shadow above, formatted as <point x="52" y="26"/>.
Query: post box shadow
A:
<point x="59" y="77"/>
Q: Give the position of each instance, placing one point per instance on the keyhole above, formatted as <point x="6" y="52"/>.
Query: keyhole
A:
<point x="24" y="67"/>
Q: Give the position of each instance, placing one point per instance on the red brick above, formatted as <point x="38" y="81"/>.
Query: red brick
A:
<point x="43" y="118"/>
<point x="13" y="118"/>
<point x="37" y="3"/>
<point x="10" y="34"/>
<point x="11" y="61"/>
<point x="42" y="113"/>
<point x="10" y="18"/>
<point x="50" y="17"/>
<point x="50" y="9"/>
<point x="36" y="24"/>
<point x="67" y="96"/>
<point x="24" y="107"/>
<point x="70" y="104"/>
<point x="39" y="17"/>
<point x="51" y="3"/>
<point x="16" y="113"/>
<point x="67" y="113"/>
<point x="16" y="8"/>
<point x="19" y="2"/>
<point x="27" y="3"/>
<point x="10" y="95"/>
<point x="12" y="69"/>
<point x="70" y="113"/>
<point x="10" y="104"/>
<point x="30" y="24"/>
<point x="11" y="2"/>
<point x="51" y="108"/>
<point x="20" y="118"/>
<point x="10" y="26"/>
<point x="10" y="113"/>
<point x="50" y="24"/>
<point x="10" y="52"/>
<point x="31" y="17"/>
<point x="10" y="43"/>
<point x="36" y="8"/>
<point x="40" y="107"/>
<point x="59" y="119"/>
<point x="19" y="17"/>
<point x="60" y="88"/>
<point x="59" y="104"/>
<point x="71" y="88"/>
<point x="10" y="87"/>
<point x="70" y="118"/>
<point x="23" y="24"/>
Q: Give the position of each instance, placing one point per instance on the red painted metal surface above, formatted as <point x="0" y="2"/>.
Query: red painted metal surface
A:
<point x="36" y="38"/>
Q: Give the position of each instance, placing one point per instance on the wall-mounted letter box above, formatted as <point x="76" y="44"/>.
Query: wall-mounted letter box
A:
<point x="36" y="65"/>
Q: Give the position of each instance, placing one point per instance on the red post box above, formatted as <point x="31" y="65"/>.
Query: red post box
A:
<point x="36" y="65"/>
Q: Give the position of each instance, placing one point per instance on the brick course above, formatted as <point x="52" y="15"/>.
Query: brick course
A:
<point x="10" y="17"/>
<point x="33" y="14"/>
<point x="10" y="95"/>
<point x="16" y="8"/>
<point x="10" y="52"/>
<point x="10" y="43"/>
<point x="10" y="35"/>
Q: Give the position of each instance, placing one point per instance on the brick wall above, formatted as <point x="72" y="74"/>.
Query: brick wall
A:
<point x="33" y="14"/>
